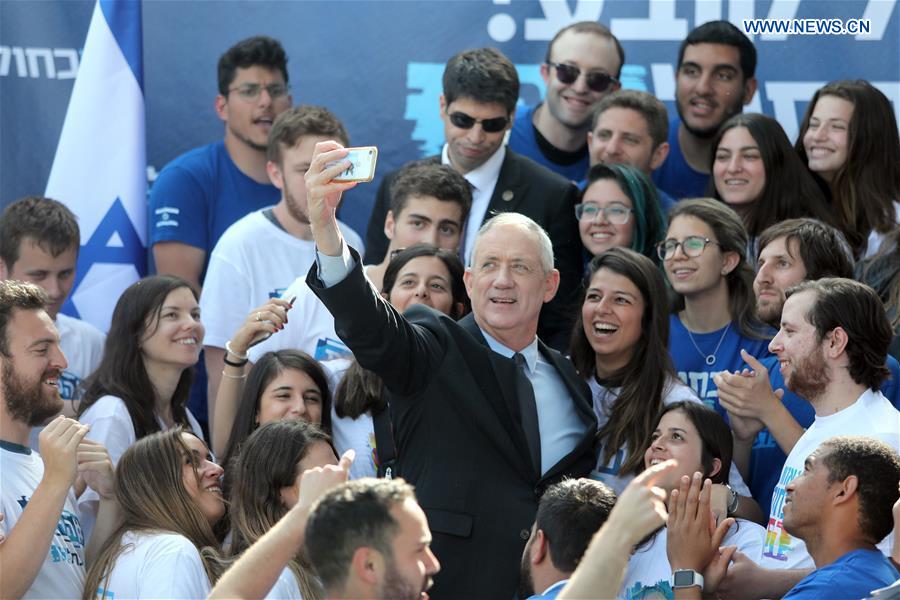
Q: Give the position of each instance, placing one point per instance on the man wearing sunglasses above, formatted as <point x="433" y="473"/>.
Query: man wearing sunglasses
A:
<point x="202" y="192"/>
<point x="481" y="88"/>
<point x="583" y="64"/>
<point x="715" y="79"/>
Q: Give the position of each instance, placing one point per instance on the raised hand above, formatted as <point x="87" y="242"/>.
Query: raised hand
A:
<point x="641" y="508"/>
<point x="266" y="319"/>
<point x="748" y="395"/>
<point x="323" y="194"/>
<point x="59" y="446"/>
<point x="692" y="535"/>
<point x="313" y="483"/>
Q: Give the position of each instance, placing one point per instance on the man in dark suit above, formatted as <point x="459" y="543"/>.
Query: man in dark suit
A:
<point x="481" y="88"/>
<point x="485" y="415"/>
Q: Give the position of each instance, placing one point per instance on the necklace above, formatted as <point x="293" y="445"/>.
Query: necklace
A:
<point x="709" y="358"/>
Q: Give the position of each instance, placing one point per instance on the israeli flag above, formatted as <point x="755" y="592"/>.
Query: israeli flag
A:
<point x="99" y="170"/>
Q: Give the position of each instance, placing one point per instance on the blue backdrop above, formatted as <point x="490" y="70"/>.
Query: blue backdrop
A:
<point x="377" y="65"/>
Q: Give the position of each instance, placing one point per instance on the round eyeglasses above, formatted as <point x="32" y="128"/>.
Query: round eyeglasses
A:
<point x="692" y="246"/>
<point x="616" y="213"/>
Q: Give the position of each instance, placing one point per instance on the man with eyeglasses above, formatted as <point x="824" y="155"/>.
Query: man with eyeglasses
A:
<point x="715" y="79"/>
<point x="583" y="64"/>
<point x="481" y="88"/>
<point x="202" y="192"/>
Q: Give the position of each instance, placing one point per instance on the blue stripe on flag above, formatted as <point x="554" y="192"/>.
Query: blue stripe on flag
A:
<point x="124" y="20"/>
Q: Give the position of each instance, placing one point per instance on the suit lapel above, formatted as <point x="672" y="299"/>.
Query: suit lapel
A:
<point x="509" y="191"/>
<point x="498" y="384"/>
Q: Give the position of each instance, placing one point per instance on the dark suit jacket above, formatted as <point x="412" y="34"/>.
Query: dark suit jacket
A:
<point x="456" y="424"/>
<point x="531" y="189"/>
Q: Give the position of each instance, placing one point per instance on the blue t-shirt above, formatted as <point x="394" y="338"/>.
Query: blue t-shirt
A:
<point x="523" y="141"/>
<point x="690" y="363"/>
<point x="854" y="575"/>
<point x="200" y="194"/>
<point x="766" y="457"/>
<point x="676" y="176"/>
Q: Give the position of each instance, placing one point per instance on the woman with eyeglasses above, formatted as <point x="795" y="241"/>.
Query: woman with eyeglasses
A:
<point x="619" y="207"/>
<point x="168" y="488"/>
<point x="421" y="274"/>
<point x="848" y="139"/>
<point x="756" y="172"/>
<point x="714" y="318"/>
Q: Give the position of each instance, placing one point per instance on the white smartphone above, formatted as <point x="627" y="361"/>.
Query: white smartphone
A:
<point x="362" y="164"/>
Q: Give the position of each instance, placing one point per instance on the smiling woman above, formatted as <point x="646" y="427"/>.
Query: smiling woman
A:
<point x="167" y="486"/>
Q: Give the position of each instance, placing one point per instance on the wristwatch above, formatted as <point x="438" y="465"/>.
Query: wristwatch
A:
<point x="733" y="500"/>
<point x="685" y="578"/>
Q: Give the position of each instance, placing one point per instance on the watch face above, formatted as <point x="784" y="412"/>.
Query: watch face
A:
<point x="683" y="578"/>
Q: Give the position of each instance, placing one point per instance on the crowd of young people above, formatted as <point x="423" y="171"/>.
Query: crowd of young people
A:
<point x="719" y="345"/>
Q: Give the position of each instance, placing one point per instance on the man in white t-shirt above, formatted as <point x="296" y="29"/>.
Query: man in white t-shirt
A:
<point x="39" y="242"/>
<point x="44" y="553"/>
<point x="832" y="348"/>
<point x="260" y="255"/>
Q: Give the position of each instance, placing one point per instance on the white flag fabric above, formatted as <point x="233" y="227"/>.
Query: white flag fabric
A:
<point x="99" y="170"/>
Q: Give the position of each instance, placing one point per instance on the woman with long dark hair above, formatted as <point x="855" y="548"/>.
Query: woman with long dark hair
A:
<point x="421" y="274"/>
<point x="265" y="487"/>
<point x="849" y="141"/>
<point x="756" y="172"/>
<point x="143" y="381"/>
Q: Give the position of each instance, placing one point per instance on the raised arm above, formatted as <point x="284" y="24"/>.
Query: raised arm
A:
<point x="268" y="318"/>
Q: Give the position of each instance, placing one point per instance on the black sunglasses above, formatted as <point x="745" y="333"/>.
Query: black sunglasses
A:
<point x="597" y="81"/>
<point x="464" y="121"/>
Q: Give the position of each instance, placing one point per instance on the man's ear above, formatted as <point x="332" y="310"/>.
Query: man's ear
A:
<point x="221" y="106"/>
<point x="836" y="342"/>
<point x="845" y="490"/>
<point x="749" y="90"/>
<point x="540" y="548"/>
<point x="275" y="174"/>
<point x="659" y="156"/>
<point x="389" y="225"/>
<point x="367" y="565"/>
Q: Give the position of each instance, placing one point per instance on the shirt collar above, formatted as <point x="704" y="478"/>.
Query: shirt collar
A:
<point x="558" y="584"/>
<point x="530" y="352"/>
<point x="487" y="174"/>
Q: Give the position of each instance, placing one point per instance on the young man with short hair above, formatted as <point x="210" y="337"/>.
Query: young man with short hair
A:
<point x="261" y="255"/>
<point x="201" y="193"/>
<point x="715" y="79"/>
<point x="831" y="349"/>
<point x="45" y="548"/>
<point x="569" y="514"/>
<point x="39" y="243"/>
<point x="369" y="539"/>
<point x="583" y="64"/>
<point x="630" y="127"/>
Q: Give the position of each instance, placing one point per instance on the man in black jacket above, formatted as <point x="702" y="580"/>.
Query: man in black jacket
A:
<point x="484" y="414"/>
<point x="481" y="88"/>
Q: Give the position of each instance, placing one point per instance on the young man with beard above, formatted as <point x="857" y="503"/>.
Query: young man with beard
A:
<point x="583" y="64"/>
<point x="201" y="193"/>
<point x="569" y="514"/>
<point x="715" y="79"/>
<point x="259" y="256"/>
<point x="43" y="555"/>
<point x="831" y="348"/>
<point x="369" y="539"/>
<point x="767" y="425"/>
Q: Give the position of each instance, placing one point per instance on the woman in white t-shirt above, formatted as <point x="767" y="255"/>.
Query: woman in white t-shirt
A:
<point x="143" y="381"/>
<point x="265" y="485"/>
<point x="420" y="274"/>
<point x="619" y="346"/>
<point x="848" y="139"/>
<point x="700" y="440"/>
<point x="168" y="488"/>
